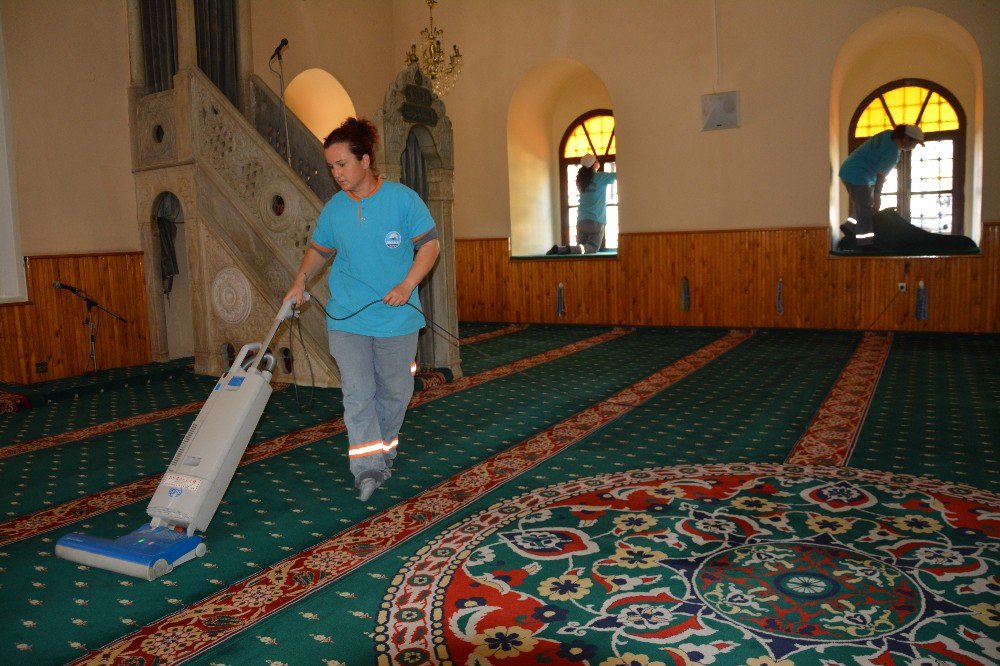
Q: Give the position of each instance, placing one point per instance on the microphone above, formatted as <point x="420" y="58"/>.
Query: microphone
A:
<point x="59" y="285"/>
<point x="277" y="52"/>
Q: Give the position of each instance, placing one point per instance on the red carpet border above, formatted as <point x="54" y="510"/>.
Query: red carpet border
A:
<point x="833" y="433"/>
<point x="221" y="616"/>
<point x="506" y="330"/>
<point x="76" y="510"/>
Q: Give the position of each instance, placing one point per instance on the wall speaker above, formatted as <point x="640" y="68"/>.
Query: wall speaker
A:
<point x="720" y="111"/>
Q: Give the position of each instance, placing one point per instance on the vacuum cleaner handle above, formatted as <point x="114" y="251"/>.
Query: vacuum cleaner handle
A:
<point x="241" y="357"/>
<point x="287" y="310"/>
<point x="288" y="307"/>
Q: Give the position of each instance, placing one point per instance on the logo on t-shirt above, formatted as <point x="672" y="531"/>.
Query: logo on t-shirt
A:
<point x="392" y="239"/>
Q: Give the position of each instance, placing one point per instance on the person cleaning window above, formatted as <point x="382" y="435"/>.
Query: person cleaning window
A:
<point x="592" y="215"/>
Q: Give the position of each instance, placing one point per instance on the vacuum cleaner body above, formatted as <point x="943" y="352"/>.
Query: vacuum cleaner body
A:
<point x="190" y="491"/>
<point x="201" y="470"/>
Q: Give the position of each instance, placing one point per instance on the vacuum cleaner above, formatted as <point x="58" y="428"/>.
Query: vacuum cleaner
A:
<point x="191" y="489"/>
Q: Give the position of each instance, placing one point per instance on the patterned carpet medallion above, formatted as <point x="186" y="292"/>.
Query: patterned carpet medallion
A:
<point x="750" y="564"/>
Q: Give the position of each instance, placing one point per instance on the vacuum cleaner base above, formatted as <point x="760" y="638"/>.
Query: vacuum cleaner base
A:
<point x="148" y="552"/>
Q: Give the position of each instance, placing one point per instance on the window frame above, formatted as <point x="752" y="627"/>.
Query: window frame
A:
<point x="904" y="166"/>
<point x="565" y="162"/>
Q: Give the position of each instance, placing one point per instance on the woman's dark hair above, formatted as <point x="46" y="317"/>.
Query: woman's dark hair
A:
<point x="899" y="132"/>
<point x="360" y="135"/>
<point x="583" y="178"/>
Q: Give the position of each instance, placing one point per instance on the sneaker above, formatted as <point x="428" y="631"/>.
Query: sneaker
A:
<point x="553" y="250"/>
<point x="367" y="488"/>
<point x="848" y="229"/>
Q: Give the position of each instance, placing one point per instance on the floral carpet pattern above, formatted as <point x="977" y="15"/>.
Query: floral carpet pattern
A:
<point x="678" y="565"/>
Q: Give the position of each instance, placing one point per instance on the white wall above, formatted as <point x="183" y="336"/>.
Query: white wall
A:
<point x="68" y="77"/>
<point x="656" y="59"/>
<point x="12" y="285"/>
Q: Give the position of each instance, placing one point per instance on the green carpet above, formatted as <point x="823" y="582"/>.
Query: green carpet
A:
<point x="95" y="382"/>
<point x="535" y="339"/>
<point x="590" y="413"/>
<point x="70" y="404"/>
<point x="936" y="410"/>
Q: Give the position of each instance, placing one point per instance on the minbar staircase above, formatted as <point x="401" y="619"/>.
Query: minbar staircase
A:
<point x="248" y="217"/>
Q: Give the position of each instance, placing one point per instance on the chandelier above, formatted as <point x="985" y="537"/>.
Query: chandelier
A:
<point x="431" y="59"/>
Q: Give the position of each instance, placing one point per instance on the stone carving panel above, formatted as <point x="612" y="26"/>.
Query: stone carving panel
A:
<point x="399" y="113"/>
<point x="218" y="211"/>
<point x="156" y="129"/>
<point x="228" y="151"/>
<point x="231" y="296"/>
<point x="250" y="168"/>
<point x="277" y="205"/>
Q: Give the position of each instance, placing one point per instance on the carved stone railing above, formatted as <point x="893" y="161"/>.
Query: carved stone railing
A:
<point x="265" y="114"/>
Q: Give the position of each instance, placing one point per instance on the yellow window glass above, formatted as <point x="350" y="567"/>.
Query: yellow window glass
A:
<point x="939" y="116"/>
<point x="873" y="120"/>
<point x="599" y="131"/>
<point x="904" y="107"/>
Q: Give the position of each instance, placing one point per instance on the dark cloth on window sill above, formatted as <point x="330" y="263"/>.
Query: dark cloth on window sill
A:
<point x="895" y="236"/>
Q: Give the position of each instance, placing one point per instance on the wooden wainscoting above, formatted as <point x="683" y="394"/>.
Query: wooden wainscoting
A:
<point x="50" y="328"/>
<point x="733" y="281"/>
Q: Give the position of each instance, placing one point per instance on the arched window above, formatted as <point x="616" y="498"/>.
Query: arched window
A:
<point x="593" y="132"/>
<point x="927" y="185"/>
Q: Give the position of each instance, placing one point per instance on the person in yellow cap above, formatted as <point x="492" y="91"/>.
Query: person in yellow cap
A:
<point x="863" y="174"/>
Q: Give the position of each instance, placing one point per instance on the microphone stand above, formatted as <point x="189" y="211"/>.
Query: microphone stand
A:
<point x="92" y="326"/>
<point x="281" y="98"/>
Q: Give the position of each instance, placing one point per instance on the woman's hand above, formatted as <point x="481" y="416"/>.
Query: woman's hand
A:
<point x="297" y="290"/>
<point x="398" y="295"/>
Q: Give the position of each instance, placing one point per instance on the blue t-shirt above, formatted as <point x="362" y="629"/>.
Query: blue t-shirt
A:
<point x="594" y="199"/>
<point x="373" y="237"/>
<point x="878" y="154"/>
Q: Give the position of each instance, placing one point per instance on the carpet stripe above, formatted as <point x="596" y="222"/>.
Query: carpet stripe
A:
<point x="51" y="518"/>
<point x="506" y="330"/>
<point x="833" y="433"/>
<point x="199" y="627"/>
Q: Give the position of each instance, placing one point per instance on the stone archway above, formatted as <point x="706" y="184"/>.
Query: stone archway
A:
<point x="412" y="111"/>
<point x="153" y="189"/>
<point x="172" y="261"/>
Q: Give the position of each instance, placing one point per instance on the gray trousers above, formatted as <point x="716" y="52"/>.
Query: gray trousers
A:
<point x="862" y="197"/>
<point x="376" y="375"/>
<point x="589" y="234"/>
